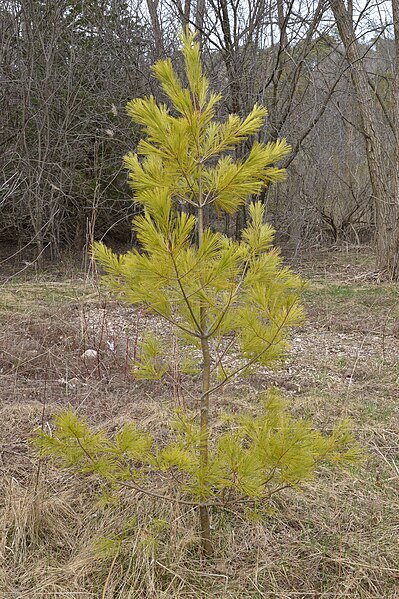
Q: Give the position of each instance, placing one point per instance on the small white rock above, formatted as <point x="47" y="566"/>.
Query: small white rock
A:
<point x="89" y="354"/>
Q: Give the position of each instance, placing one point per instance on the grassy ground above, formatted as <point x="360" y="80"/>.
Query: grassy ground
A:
<point x="336" y="538"/>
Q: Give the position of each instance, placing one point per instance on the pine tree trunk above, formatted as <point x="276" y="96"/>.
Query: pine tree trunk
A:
<point x="206" y="370"/>
<point x="205" y="525"/>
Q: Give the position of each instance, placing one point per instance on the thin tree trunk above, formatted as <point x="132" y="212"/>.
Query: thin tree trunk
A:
<point x="205" y="525"/>
<point x="385" y="202"/>
<point x="394" y="254"/>
<point x="206" y="370"/>
<point x="153" y="9"/>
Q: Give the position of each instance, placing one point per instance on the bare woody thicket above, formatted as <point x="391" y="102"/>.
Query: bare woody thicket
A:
<point x="224" y="298"/>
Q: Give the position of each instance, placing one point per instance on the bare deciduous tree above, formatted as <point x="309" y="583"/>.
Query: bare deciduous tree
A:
<point x="385" y="203"/>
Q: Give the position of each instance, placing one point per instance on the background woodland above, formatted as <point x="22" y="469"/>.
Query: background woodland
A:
<point x="326" y="72"/>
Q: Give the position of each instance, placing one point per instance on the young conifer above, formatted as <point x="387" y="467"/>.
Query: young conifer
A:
<point x="221" y="296"/>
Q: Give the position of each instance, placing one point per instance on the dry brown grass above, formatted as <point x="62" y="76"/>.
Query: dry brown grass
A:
<point x="336" y="539"/>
